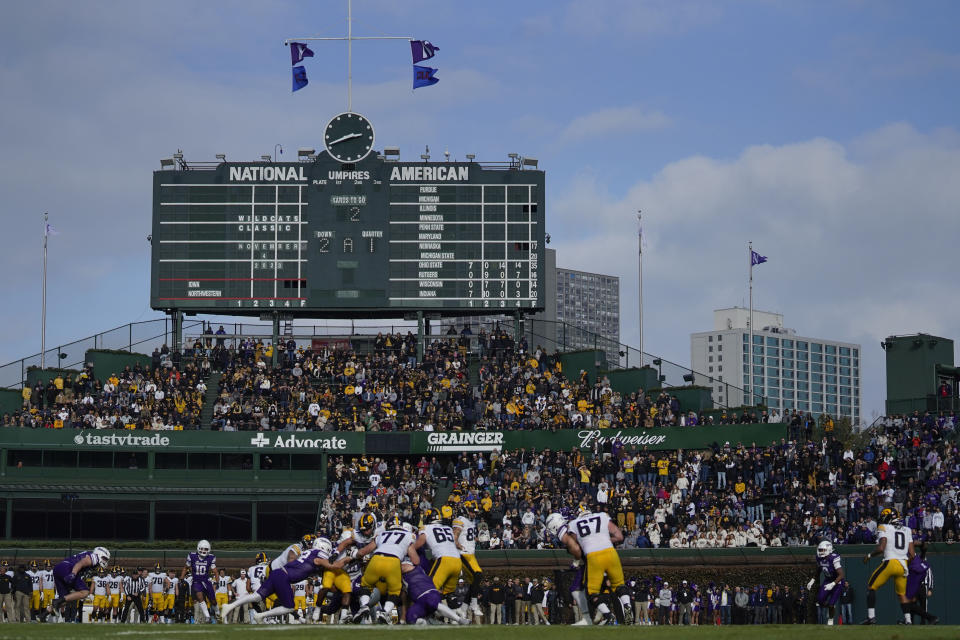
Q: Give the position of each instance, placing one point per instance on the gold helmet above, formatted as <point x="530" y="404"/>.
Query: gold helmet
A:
<point x="261" y="558"/>
<point x="307" y="541"/>
<point x="446" y="514"/>
<point x="889" y="516"/>
<point x="367" y="524"/>
<point x="431" y="515"/>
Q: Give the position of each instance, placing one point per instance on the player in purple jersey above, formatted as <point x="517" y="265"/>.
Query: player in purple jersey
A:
<point x="918" y="585"/>
<point x="424" y="597"/>
<point x="833" y="579"/>
<point x="67" y="579"/>
<point x="280" y="581"/>
<point x="201" y="564"/>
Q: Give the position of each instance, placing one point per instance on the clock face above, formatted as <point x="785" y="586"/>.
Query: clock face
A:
<point x="348" y="137"/>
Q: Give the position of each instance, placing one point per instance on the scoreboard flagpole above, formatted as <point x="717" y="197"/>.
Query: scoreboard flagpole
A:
<point x="43" y="304"/>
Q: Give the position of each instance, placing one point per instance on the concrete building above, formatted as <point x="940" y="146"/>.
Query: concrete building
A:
<point x="785" y="371"/>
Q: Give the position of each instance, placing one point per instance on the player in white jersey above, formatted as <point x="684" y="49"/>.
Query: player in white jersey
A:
<point x="438" y="536"/>
<point x="592" y="536"/>
<point x="300" y="600"/>
<point x="101" y="595"/>
<point x="465" y="532"/>
<point x="36" y="595"/>
<point x="116" y="589"/>
<point x="48" y="583"/>
<point x="895" y="542"/>
<point x="258" y="575"/>
<point x="222" y="586"/>
<point x="557" y="527"/>
<point x="157" y="579"/>
<point x="388" y="548"/>
<point x="170" y="595"/>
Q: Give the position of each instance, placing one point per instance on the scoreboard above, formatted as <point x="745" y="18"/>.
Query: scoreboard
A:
<point x="374" y="238"/>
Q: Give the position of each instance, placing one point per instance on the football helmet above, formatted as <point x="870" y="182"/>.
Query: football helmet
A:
<point x="431" y="516"/>
<point x="322" y="545"/>
<point x="394" y="523"/>
<point x="157" y="568"/>
<point x="582" y="510"/>
<point x="307" y="541"/>
<point x="555" y="522"/>
<point x="203" y="548"/>
<point x="367" y="524"/>
<point x="103" y="556"/>
<point x="824" y="549"/>
<point x="47" y="564"/>
<point x="261" y="558"/>
<point x="34" y="565"/>
<point x="889" y="516"/>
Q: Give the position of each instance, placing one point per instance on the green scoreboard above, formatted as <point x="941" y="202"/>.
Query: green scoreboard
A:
<point x="371" y="238"/>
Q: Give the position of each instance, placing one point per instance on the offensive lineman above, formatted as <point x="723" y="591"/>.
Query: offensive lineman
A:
<point x="388" y="548"/>
<point x="157" y="580"/>
<point x="557" y="526"/>
<point x="258" y="575"/>
<point x="895" y="542"/>
<point x="465" y="534"/>
<point x="446" y="565"/>
<point x="592" y="535"/>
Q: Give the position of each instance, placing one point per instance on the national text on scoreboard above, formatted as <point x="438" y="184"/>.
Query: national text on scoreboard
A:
<point x="376" y="238"/>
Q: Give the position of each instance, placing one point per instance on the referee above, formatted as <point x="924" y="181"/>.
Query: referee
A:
<point x="135" y="587"/>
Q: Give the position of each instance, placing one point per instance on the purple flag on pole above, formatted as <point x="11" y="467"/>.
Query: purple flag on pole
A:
<point x="422" y="50"/>
<point x="299" y="51"/>
<point x="756" y="258"/>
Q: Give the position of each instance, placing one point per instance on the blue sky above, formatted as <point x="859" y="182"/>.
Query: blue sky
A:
<point x="825" y="132"/>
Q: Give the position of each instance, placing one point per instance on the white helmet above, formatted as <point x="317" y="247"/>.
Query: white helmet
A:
<point x="824" y="549"/>
<point x="324" y="546"/>
<point x="103" y="556"/>
<point x="203" y="548"/>
<point x="555" y="522"/>
<point x="409" y="528"/>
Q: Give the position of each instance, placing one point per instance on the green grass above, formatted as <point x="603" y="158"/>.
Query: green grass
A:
<point x="765" y="632"/>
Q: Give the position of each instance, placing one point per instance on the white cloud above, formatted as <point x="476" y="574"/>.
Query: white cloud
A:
<point x="613" y="120"/>
<point x="861" y="239"/>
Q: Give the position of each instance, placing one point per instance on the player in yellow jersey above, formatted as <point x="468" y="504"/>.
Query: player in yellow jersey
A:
<point x="383" y="571"/>
<point x="101" y="595"/>
<point x="895" y="542"/>
<point x="36" y="579"/>
<point x="115" y="579"/>
<point x="157" y="579"/>
<point x="593" y="536"/>
<point x="47" y="581"/>
<point x="465" y="534"/>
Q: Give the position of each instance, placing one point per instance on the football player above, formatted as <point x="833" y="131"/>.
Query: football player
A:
<point x="35" y="575"/>
<point x="592" y="536"/>
<point x="172" y="586"/>
<point x="223" y="587"/>
<point x="101" y="595"/>
<point x="445" y="565"/>
<point x="918" y="586"/>
<point x="201" y="564"/>
<point x="280" y="581"/>
<point x="465" y="533"/>
<point x="288" y="555"/>
<point x="67" y="580"/>
<point x="46" y="580"/>
<point x="257" y="574"/>
<point x="556" y="526"/>
<point x="389" y="547"/>
<point x="834" y="583"/>
<point x="339" y="579"/>
<point x="157" y="579"/>
<point x="116" y="589"/>
<point x="895" y="542"/>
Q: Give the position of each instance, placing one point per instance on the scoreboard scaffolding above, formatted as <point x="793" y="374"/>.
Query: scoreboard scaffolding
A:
<point x="374" y="238"/>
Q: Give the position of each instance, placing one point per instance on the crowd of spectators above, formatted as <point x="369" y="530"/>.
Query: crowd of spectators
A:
<point x="729" y="495"/>
<point x="160" y="396"/>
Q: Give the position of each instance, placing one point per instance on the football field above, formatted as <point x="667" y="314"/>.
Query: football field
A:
<point x="214" y="632"/>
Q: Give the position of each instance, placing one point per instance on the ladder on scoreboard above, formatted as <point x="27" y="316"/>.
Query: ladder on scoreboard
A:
<point x="287" y="329"/>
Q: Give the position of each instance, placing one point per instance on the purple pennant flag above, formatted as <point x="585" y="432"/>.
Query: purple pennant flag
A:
<point x="422" y="50"/>
<point x="299" y="51"/>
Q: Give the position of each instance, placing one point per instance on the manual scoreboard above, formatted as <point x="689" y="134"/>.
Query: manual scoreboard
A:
<point x="371" y="238"/>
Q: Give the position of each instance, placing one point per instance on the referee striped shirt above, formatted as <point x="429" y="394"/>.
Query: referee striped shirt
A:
<point x="136" y="586"/>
